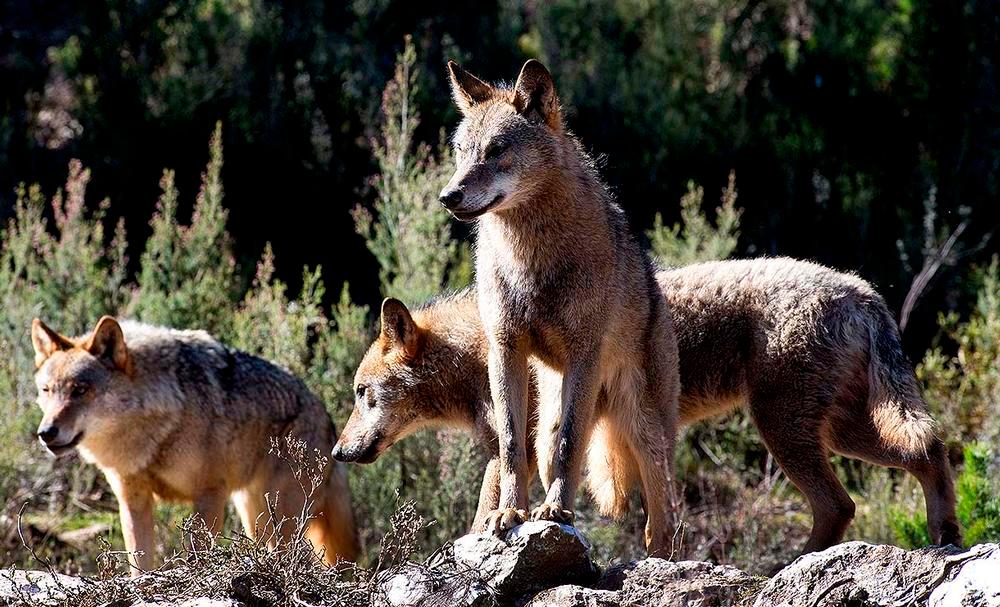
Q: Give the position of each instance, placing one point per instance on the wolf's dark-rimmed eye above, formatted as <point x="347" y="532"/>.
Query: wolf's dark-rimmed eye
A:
<point x="494" y="149"/>
<point x="78" y="391"/>
<point x="46" y="389"/>
<point x="360" y="391"/>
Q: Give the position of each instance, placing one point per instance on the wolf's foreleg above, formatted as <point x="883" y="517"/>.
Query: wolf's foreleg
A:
<point x="210" y="507"/>
<point x="571" y="433"/>
<point x="508" y="369"/>
<point x="135" y="508"/>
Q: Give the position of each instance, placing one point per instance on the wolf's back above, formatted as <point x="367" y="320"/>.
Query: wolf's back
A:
<point x="202" y="375"/>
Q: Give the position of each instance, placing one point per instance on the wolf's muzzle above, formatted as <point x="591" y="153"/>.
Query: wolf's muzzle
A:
<point x="451" y="199"/>
<point x="359" y="454"/>
<point x="49" y="434"/>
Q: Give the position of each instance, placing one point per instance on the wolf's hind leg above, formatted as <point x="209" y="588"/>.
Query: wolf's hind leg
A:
<point x="210" y="507"/>
<point x="792" y="431"/>
<point x="651" y="436"/>
<point x="857" y="437"/>
<point x="260" y="507"/>
<point x="653" y="459"/>
<point x="548" y="382"/>
<point x="332" y="527"/>
<point x="252" y="510"/>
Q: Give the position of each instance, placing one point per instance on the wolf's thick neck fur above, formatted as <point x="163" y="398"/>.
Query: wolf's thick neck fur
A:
<point x="550" y="211"/>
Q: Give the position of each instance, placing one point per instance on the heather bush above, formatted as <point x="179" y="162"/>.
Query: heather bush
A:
<point x="695" y="239"/>
<point x="961" y="375"/>
<point x="405" y="228"/>
<point x="188" y="277"/>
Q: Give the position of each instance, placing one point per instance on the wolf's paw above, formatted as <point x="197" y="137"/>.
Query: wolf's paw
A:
<point x="552" y="512"/>
<point x="501" y="521"/>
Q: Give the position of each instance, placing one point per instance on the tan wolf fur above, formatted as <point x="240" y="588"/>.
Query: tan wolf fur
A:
<point x="176" y="415"/>
<point x="565" y="288"/>
<point x="812" y="353"/>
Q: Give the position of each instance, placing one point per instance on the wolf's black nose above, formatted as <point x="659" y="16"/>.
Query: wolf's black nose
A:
<point x="338" y="452"/>
<point x="451" y="199"/>
<point x="48" y="433"/>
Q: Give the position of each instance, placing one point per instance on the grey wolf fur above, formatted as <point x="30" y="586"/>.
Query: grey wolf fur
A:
<point x="176" y="415"/>
<point x="565" y="288"/>
<point x="812" y="353"/>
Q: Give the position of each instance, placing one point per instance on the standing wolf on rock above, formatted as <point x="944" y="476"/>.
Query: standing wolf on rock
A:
<point x="813" y="354"/>
<point x="176" y="415"/>
<point x="564" y="286"/>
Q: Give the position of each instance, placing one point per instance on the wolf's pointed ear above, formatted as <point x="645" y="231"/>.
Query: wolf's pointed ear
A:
<point x="535" y="95"/>
<point x="46" y="341"/>
<point x="398" y="329"/>
<point x="108" y="343"/>
<point x="466" y="89"/>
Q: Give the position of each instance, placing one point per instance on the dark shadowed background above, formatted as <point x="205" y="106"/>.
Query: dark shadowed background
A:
<point x="850" y="125"/>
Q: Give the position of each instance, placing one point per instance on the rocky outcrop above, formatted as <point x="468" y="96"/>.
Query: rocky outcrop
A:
<point x="545" y="564"/>
<point x="856" y="573"/>
<point x="533" y="556"/>
<point x="442" y="585"/>
<point x="657" y="582"/>
<point x="976" y="583"/>
<point x="37" y="587"/>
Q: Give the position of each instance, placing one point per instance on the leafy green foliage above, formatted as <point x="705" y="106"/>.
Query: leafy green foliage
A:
<point x="321" y="348"/>
<point x="695" y="238"/>
<point x="406" y="230"/>
<point x="978" y="495"/>
<point x="909" y="526"/>
<point x="269" y="325"/>
<point x="188" y="276"/>
<point x="963" y="388"/>
<point x="65" y="271"/>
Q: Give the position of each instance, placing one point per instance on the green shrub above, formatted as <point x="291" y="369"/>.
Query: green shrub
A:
<point x="270" y="325"/>
<point x="64" y="271"/>
<point x="910" y="527"/>
<point x="406" y="229"/>
<point x="963" y="389"/>
<point x="695" y="239"/>
<point x="978" y="495"/>
<point x="188" y="277"/>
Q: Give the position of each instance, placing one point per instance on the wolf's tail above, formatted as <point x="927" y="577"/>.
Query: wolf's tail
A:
<point x="898" y="411"/>
<point x="333" y="528"/>
<point x="611" y="471"/>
